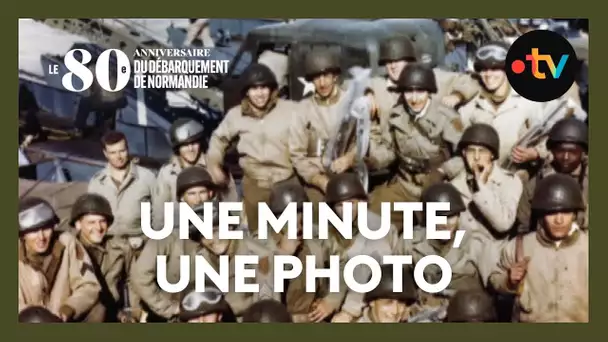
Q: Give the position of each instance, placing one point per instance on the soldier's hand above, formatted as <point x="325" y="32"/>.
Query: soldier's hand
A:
<point x="126" y="316"/>
<point x="517" y="272"/>
<point x="482" y="173"/>
<point x="342" y="164"/>
<point x="373" y="106"/>
<point x="521" y="154"/>
<point x="289" y="246"/>
<point x="320" y="311"/>
<point x="342" y="317"/>
<point x="451" y="101"/>
<point x="218" y="175"/>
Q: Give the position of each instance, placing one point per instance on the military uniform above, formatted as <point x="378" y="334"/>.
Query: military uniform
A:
<point x="421" y="145"/>
<point x="465" y="275"/>
<point x="183" y="131"/>
<point x="263" y="144"/>
<point x="165" y="306"/>
<point x="315" y="122"/>
<point x="294" y="295"/>
<point x="125" y="198"/>
<point x="570" y="131"/>
<point x="491" y="207"/>
<point x="109" y="257"/>
<point x="62" y="280"/>
<point x="346" y="187"/>
<point x="511" y="116"/>
<point x="555" y="287"/>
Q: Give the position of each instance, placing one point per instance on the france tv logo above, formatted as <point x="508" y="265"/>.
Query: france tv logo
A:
<point x="541" y="65"/>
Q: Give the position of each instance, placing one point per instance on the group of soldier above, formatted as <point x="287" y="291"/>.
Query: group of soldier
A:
<point x="444" y="137"/>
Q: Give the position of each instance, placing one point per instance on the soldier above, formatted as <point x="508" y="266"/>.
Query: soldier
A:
<point x="125" y="185"/>
<point x="386" y="305"/>
<point x="548" y="270"/>
<point x="187" y="142"/>
<point x="316" y="122"/>
<point x="303" y="306"/>
<point x="464" y="270"/>
<point x="569" y="145"/>
<point x="490" y="193"/>
<point x="471" y="306"/>
<point x="421" y="136"/>
<point x="38" y="314"/>
<point x="54" y="270"/>
<point x="194" y="186"/>
<point x="91" y="216"/>
<point x="261" y="123"/>
<point x="267" y="311"/>
<point x="162" y="306"/>
<point x="501" y="107"/>
<point x="209" y="306"/>
<point x="199" y="29"/>
<point x="396" y="53"/>
<point x="347" y="188"/>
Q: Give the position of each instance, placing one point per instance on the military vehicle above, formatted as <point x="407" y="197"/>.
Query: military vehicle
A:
<point x="355" y="39"/>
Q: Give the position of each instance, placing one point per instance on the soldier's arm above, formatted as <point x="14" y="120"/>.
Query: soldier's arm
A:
<point x="452" y="132"/>
<point x="498" y="202"/>
<point x="499" y="276"/>
<point x="221" y="138"/>
<point x="381" y="149"/>
<point x="143" y="280"/>
<point x="298" y="149"/>
<point x="83" y="282"/>
<point x="465" y="86"/>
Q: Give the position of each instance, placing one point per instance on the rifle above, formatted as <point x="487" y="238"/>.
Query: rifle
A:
<point x="536" y="132"/>
<point x="354" y="124"/>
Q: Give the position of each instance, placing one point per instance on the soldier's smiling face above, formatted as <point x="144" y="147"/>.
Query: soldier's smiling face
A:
<point x="567" y="157"/>
<point x="259" y="96"/>
<point x="416" y="99"/>
<point x="394" y="68"/>
<point x="38" y="241"/>
<point x="93" y="227"/>
<point x="493" y="78"/>
<point x="325" y="83"/>
<point x="386" y="310"/>
<point x="117" y="154"/>
<point x="558" y="225"/>
<point x="190" y="152"/>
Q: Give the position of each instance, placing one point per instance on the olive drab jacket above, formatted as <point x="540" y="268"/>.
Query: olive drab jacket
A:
<point x="525" y="204"/>
<point x="166" y="305"/>
<point x="294" y="295"/>
<point x="263" y="144"/>
<point x="449" y="82"/>
<point x="430" y="137"/>
<point x="345" y="300"/>
<point x="465" y="275"/>
<point x="109" y="260"/>
<point x="126" y="198"/>
<point x="314" y="123"/>
<point x="491" y="214"/>
<point x="144" y="272"/>
<point x="556" y="285"/>
<point x="165" y="188"/>
<point x="64" y="281"/>
<point x="511" y="119"/>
